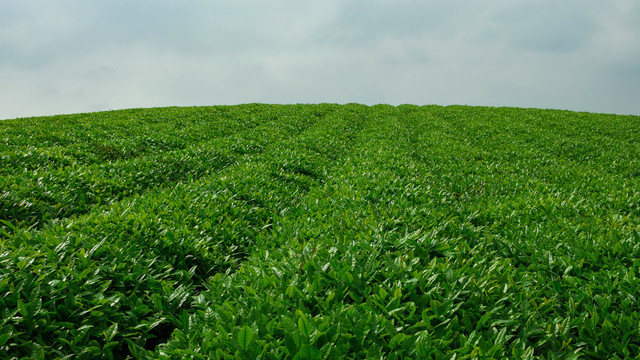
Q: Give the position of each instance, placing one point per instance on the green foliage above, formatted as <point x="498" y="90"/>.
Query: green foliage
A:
<point x="320" y="232"/>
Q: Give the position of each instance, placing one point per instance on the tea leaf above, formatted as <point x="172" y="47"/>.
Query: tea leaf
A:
<point x="244" y="337"/>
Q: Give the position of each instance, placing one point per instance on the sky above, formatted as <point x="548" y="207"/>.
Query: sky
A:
<point x="73" y="56"/>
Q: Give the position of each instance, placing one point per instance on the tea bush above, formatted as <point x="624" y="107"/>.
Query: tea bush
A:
<point x="320" y="232"/>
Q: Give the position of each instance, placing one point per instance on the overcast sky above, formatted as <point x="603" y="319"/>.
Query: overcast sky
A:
<point x="69" y="56"/>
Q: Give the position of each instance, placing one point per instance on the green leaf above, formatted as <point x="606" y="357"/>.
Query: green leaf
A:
<point x="244" y="337"/>
<point x="23" y="309"/>
<point x="37" y="352"/>
<point x="383" y="293"/>
<point x="501" y="337"/>
<point x="35" y="306"/>
<point x="397" y="293"/>
<point x="156" y="323"/>
<point x="291" y="344"/>
<point x="110" y="345"/>
<point x="566" y="326"/>
<point x="138" y="351"/>
<point x="309" y="352"/>
<point x="157" y="301"/>
<point x="9" y="225"/>
<point x="4" y="338"/>
<point x="111" y="332"/>
<point x="304" y="326"/>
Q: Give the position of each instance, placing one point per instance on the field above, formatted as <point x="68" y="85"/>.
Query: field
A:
<point x="320" y="232"/>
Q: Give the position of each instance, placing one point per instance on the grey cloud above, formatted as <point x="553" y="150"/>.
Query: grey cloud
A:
<point x="361" y="22"/>
<point x="553" y="26"/>
<point x="75" y="55"/>
<point x="37" y="35"/>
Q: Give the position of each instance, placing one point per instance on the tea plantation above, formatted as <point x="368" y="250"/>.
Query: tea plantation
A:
<point x="320" y="232"/>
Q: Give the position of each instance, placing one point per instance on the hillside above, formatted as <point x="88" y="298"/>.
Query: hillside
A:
<point x="320" y="231"/>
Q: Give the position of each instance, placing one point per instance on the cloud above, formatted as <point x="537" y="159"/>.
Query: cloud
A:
<point x="548" y="25"/>
<point x="76" y="56"/>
